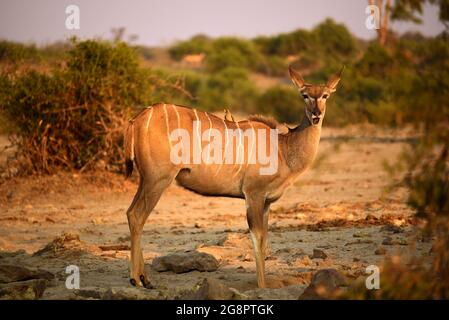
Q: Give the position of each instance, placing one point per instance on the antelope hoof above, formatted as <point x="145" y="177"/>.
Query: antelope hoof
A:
<point x="133" y="282"/>
<point x="145" y="282"/>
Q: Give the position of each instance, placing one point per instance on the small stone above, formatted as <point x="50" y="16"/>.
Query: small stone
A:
<point x="361" y="234"/>
<point x="186" y="261"/>
<point x="213" y="289"/>
<point x="118" y="293"/>
<point x="318" y="254"/>
<point x="23" y="290"/>
<point x="392" y="228"/>
<point x="125" y="293"/>
<point x="325" y="284"/>
<point x="13" y="273"/>
<point x="371" y="218"/>
<point x="388" y="241"/>
<point x="90" y="292"/>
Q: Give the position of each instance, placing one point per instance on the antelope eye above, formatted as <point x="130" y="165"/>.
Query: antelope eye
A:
<point x="325" y="96"/>
<point x="305" y="96"/>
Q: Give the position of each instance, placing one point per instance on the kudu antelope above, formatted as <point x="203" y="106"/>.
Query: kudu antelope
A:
<point x="149" y="143"/>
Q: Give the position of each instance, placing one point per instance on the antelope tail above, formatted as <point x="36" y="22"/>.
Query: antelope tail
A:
<point x="129" y="149"/>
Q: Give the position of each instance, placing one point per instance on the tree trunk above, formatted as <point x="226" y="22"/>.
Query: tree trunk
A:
<point x="384" y="17"/>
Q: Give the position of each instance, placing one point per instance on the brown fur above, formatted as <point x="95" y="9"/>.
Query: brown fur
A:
<point x="272" y="123"/>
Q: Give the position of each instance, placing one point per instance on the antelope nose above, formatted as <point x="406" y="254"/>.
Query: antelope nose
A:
<point x="316" y="112"/>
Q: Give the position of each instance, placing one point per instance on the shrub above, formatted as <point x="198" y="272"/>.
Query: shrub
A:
<point x="283" y="103"/>
<point x="73" y="118"/>
<point x="287" y="43"/>
<point x="197" y="44"/>
<point x="17" y="52"/>
<point x="232" y="52"/>
<point x="229" y="88"/>
<point x="377" y="62"/>
<point x="335" y="38"/>
<point x="274" y="66"/>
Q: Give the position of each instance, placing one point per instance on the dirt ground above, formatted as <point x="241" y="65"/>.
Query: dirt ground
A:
<point x="339" y="206"/>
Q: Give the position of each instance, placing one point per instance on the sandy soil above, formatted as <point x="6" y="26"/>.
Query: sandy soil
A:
<point x="339" y="206"/>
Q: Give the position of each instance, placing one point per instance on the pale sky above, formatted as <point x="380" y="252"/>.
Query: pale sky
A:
<point x="161" y="22"/>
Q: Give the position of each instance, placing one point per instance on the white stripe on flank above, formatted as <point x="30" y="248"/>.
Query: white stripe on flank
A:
<point x="252" y="138"/>
<point x="208" y="138"/>
<point x="198" y="134"/>
<point x="198" y="128"/>
<point x="177" y="115"/>
<point x="149" y="119"/>
<point x="147" y="127"/>
<point x="210" y="125"/>
<point x="225" y="148"/>
<point x="238" y="148"/>
<point x="167" y="125"/>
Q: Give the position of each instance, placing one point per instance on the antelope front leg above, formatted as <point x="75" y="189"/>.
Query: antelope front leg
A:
<point x="256" y="215"/>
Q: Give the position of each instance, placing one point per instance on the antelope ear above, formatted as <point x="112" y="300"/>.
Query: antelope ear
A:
<point x="334" y="80"/>
<point x="296" y="78"/>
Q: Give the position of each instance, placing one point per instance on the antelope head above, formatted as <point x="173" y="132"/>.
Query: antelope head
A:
<point x="315" y="96"/>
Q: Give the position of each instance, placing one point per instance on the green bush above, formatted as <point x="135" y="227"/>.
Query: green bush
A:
<point x="377" y="62"/>
<point x="229" y="88"/>
<point x="286" y="43"/>
<point x="283" y="103"/>
<point x="335" y="38"/>
<point x="17" y="52"/>
<point x="232" y="52"/>
<point x="197" y="44"/>
<point x="74" y="117"/>
<point x="274" y="66"/>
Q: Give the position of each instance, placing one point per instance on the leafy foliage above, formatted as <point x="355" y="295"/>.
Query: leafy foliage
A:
<point x="74" y="117"/>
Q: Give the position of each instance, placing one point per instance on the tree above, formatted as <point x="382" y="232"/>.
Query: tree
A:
<point x="384" y="17"/>
<point x="405" y="10"/>
<point x="409" y="10"/>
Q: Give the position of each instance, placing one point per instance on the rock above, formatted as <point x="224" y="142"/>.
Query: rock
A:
<point x="66" y="244"/>
<point x="238" y="295"/>
<point x="118" y="293"/>
<point x="213" y="289"/>
<point x="13" y="273"/>
<point x="236" y="240"/>
<point x="388" y="241"/>
<point x="186" y="261"/>
<point x="115" y="247"/>
<point x="90" y="292"/>
<point x="361" y="234"/>
<point x="325" y="284"/>
<point x="284" y="293"/>
<point x="380" y="251"/>
<point x="358" y="241"/>
<point x="6" y="254"/>
<point x="125" y="293"/>
<point x="371" y="218"/>
<point x="318" y="254"/>
<point x="23" y="290"/>
<point x="329" y="277"/>
<point x="392" y="228"/>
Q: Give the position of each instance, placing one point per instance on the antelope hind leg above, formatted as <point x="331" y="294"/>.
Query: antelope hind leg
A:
<point x="144" y="201"/>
